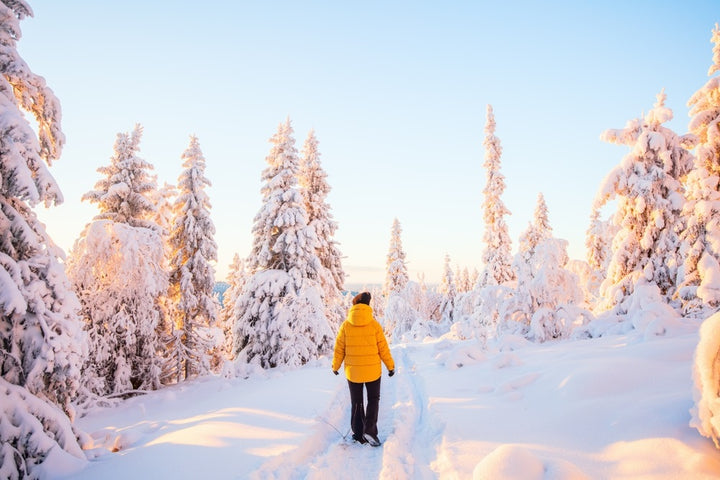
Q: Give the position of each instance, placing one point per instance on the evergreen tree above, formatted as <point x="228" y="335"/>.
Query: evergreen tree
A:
<point x="546" y="303"/>
<point x="598" y="242"/>
<point x="396" y="276"/>
<point x="699" y="290"/>
<point x="465" y="284"/>
<point x="521" y="304"/>
<point x="41" y="341"/>
<point x="228" y="315"/>
<point x="192" y="277"/>
<point x="163" y="200"/>
<point x="281" y="315"/>
<point x="555" y="293"/>
<point x="116" y="268"/>
<point x="496" y="255"/>
<point x="124" y="194"/>
<point x="539" y="229"/>
<point x="315" y="189"/>
<point x="448" y="291"/>
<point x="649" y="201"/>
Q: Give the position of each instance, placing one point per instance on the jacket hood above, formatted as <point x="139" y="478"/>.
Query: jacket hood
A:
<point x="360" y="315"/>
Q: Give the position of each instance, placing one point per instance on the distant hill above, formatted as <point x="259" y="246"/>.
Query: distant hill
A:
<point x="219" y="289"/>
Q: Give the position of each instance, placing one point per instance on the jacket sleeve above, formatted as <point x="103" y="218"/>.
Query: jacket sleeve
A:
<point x="339" y="354"/>
<point x="383" y="348"/>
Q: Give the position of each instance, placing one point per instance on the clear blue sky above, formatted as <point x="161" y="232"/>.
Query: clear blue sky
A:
<point x="396" y="92"/>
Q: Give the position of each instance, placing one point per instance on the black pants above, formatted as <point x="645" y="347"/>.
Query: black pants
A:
<point x="362" y="420"/>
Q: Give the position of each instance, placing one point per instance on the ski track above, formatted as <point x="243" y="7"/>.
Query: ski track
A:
<point x="411" y="436"/>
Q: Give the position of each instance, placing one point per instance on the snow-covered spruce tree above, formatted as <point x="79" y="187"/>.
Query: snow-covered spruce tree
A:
<point x="116" y="269"/>
<point x="398" y="314"/>
<point x="649" y="197"/>
<point x="520" y="306"/>
<point x="598" y="243"/>
<point x="163" y="200"/>
<point x="496" y="255"/>
<point x="699" y="276"/>
<point x="448" y="292"/>
<point x="547" y="302"/>
<point x="281" y="315"/>
<point x="555" y="293"/>
<point x="192" y="277"/>
<point x="41" y="340"/>
<point x="315" y="189"/>
<point x="396" y="274"/>
<point x="236" y="280"/>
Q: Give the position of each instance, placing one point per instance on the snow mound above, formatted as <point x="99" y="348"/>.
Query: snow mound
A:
<point x="514" y="462"/>
<point x="706" y="374"/>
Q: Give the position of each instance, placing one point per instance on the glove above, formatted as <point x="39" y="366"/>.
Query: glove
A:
<point x="391" y="373"/>
<point x="336" y="372"/>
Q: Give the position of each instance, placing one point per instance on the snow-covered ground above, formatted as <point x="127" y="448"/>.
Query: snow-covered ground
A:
<point x="615" y="407"/>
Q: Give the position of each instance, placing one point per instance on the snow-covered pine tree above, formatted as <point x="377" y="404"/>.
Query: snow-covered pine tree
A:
<point x="116" y="268"/>
<point x="192" y="277"/>
<point x="281" y="315"/>
<point x="496" y="254"/>
<point x="315" y="189"/>
<point x="699" y="278"/>
<point x="448" y="291"/>
<point x="649" y="202"/>
<point x="41" y="340"/>
<point x="396" y="275"/>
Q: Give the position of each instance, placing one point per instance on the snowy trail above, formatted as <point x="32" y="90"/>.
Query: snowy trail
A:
<point x="404" y="423"/>
<point x="411" y="446"/>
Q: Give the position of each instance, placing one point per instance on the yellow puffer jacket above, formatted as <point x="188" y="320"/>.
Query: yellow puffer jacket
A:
<point x="361" y="344"/>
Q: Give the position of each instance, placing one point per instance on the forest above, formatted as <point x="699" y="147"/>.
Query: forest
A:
<point x="132" y="309"/>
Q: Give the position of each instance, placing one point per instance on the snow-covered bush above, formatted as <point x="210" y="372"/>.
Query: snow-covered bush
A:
<point x="30" y="429"/>
<point x="706" y="376"/>
<point x="400" y="317"/>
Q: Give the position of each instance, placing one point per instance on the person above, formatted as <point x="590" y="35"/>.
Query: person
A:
<point x="361" y="345"/>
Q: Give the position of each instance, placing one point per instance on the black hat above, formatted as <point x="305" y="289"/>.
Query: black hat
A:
<point x="363" y="297"/>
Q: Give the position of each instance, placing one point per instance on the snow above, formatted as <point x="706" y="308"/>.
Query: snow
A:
<point x="611" y="407"/>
